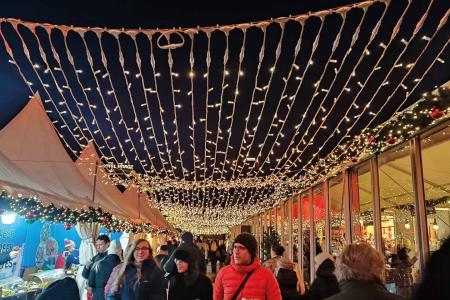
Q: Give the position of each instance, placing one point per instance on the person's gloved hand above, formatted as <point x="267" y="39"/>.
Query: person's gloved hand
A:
<point x="13" y="254"/>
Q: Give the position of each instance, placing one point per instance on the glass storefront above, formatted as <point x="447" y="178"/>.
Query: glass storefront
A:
<point x="362" y="204"/>
<point x="295" y="228"/>
<point x="337" y="219"/>
<point x="306" y="230"/>
<point x="285" y="239"/>
<point x="436" y="171"/>
<point x="397" y="215"/>
<point x="398" y="226"/>
<point x="319" y="218"/>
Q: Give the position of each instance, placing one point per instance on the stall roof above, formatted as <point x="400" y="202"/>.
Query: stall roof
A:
<point x="133" y="202"/>
<point x="34" y="160"/>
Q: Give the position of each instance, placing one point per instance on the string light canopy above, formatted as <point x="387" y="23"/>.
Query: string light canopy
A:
<point x="221" y="123"/>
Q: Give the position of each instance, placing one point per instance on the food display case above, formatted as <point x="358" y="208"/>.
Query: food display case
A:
<point x="15" y="288"/>
<point x="48" y="276"/>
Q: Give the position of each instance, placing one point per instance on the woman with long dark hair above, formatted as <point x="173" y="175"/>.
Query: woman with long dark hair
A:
<point x="139" y="278"/>
<point x="189" y="283"/>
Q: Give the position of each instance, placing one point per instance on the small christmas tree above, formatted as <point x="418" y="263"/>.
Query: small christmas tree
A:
<point x="270" y="239"/>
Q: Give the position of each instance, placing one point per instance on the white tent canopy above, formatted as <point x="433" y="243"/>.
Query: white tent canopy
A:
<point x="133" y="202"/>
<point x="34" y="162"/>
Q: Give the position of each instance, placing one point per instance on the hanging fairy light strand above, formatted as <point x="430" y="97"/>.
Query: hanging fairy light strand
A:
<point x="133" y="100"/>
<point x="400" y="85"/>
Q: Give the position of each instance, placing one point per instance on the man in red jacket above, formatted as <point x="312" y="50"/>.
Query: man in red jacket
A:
<point x="245" y="278"/>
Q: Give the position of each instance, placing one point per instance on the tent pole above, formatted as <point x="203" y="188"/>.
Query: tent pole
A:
<point x="95" y="182"/>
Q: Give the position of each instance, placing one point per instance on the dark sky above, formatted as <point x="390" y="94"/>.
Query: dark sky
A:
<point x="135" y="14"/>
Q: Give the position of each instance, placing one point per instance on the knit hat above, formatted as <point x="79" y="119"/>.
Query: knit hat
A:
<point x="68" y="243"/>
<point x="187" y="238"/>
<point x="320" y="258"/>
<point x="182" y="255"/>
<point x="248" y="241"/>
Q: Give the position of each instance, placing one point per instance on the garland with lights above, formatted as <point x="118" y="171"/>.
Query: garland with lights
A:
<point x="32" y="209"/>
<point x="429" y="110"/>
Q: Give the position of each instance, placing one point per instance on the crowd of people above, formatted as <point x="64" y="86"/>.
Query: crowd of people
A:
<point x="180" y="272"/>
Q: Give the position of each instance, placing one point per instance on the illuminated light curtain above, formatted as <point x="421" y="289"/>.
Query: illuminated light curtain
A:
<point x="170" y="102"/>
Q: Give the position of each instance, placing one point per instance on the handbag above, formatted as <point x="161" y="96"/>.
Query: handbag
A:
<point x="242" y="285"/>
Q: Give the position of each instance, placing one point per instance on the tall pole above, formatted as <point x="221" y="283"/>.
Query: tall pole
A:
<point x="95" y="182"/>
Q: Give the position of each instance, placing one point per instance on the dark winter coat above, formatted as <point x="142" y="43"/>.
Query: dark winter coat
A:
<point x="87" y="268"/>
<point x="180" y="287"/>
<point x="366" y="290"/>
<point x="161" y="259"/>
<point x="66" y="289"/>
<point x="152" y="285"/>
<point x="223" y="253"/>
<point x="194" y="251"/>
<point x="72" y="259"/>
<point x="325" y="284"/>
<point x="287" y="280"/>
<point x="4" y="258"/>
<point x="99" y="275"/>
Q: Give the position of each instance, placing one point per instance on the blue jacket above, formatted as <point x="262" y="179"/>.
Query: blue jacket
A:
<point x="152" y="285"/>
<point x="4" y="258"/>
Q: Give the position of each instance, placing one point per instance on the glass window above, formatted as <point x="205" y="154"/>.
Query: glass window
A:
<point x="319" y="218"/>
<point x="305" y="211"/>
<point x="273" y="218"/>
<point x="398" y="224"/>
<point x="295" y="225"/>
<point x="285" y="228"/>
<point x="279" y="222"/>
<point x="436" y="177"/>
<point x="361" y="205"/>
<point x="337" y="220"/>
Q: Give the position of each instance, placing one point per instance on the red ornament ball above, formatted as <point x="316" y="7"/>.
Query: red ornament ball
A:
<point x="29" y="215"/>
<point x="67" y="226"/>
<point x="391" y="140"/>
<point x="354" y="159"/>
<point x="436" y="113"/>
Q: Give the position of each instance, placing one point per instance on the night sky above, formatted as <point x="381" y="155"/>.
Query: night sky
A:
<point x="135" y="14"/>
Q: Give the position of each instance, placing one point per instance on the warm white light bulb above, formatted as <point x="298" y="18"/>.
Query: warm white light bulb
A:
<point x="8" y="218"/>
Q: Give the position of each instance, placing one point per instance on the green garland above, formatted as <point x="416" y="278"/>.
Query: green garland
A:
<point x="270" y="238"/>
<point x="32" y="209"/>
<point x="373" y="141"/>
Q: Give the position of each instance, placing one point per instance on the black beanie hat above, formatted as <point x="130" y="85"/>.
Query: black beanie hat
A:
<point x="183" y="255"/>
<point x="187" y="238"/>
<point x="248" y="241"/>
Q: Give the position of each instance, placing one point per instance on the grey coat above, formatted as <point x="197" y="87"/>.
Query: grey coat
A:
<point x="367" y="290"/>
